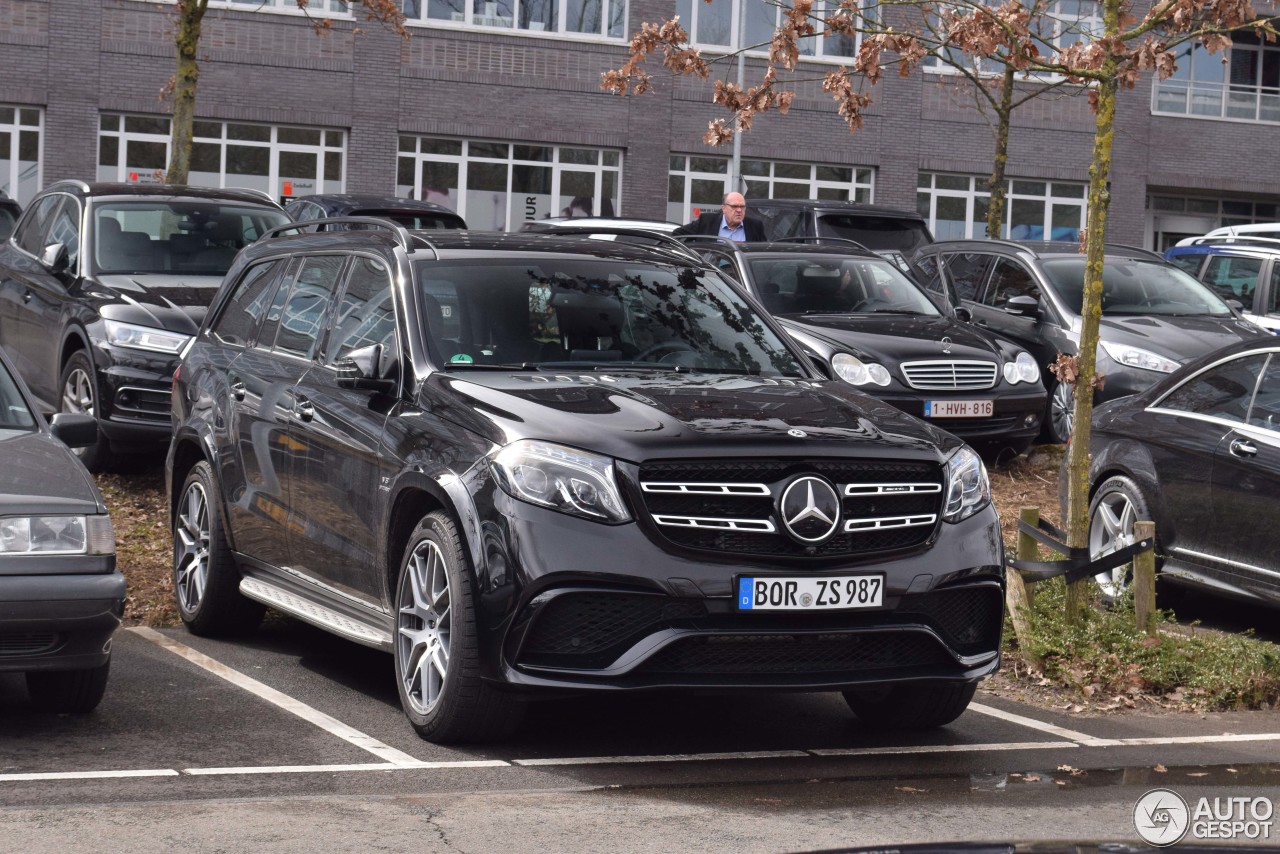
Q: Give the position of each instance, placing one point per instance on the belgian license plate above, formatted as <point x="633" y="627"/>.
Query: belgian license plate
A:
<point x="807" y="593"/>
<point x="958" y="408"/>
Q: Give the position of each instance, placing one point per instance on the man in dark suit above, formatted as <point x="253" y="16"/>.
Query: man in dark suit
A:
<point x="730" y="221"/>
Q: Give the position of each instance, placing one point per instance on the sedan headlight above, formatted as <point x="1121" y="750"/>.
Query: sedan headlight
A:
<point x="854" y="371"/>
<point x="1136" y="357"/>
<point x="57" y="535"/>
<point x="144" y="337"/>
<point x="565" y="479"/>
<point x="968" y="489"/>
<point x="1023" y="369"/>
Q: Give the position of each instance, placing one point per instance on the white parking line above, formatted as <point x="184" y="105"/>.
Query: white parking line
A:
<point x="284" y="701"/>
<point x="1041" y="726"/>
<point x="941" y="748"/>
<point x="88" y="775"/>
<point x="367" y="766"/>
<point x="670" y="757"/>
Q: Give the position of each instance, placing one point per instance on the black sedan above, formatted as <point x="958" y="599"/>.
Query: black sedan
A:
<point x="1198" y="453"/>
<point x="868" y="324"/>
<point x="61" y="597"/>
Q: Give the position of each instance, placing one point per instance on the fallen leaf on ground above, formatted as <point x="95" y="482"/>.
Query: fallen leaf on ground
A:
<point x="1160" y="769"/>
<point x="908" y="789"/>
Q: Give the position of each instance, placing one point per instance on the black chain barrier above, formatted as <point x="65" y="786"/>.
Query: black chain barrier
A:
<point x="1078" y="563"/>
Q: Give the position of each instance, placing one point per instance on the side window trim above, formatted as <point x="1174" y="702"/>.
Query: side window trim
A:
<point x="340" y="293"/>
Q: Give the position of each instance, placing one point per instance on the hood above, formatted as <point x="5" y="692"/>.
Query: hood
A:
<point x="173" y="301"/>
<point x="638" y="416"/>
<point x="39" y="474"/>
<point x="1180" y="338"/>
<point x="896" y="337"/>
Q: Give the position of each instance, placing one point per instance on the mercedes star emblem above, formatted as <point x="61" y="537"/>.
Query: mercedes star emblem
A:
<point x="798" y="434"/>
<point x="810" y="509"/>
<point x="946" y="344"/>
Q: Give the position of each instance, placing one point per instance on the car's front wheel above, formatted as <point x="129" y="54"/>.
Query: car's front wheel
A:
<point x="1059" y="414"/>
<point x="206" y="580"/>
<point x="68" y="691"/>
<point x="79" y="396"/>
<point x="437" y="649"/>
<point x="1117" y="505"/>
<point x="920" y="706"/>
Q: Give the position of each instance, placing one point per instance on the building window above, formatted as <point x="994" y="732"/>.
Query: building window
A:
<point x="1224" y="211"/>
<point x="724" y="24"/>
<point x="280" y="160"/>
<point x="700" y="183"/>
<point x="20" y="135"/>
<point x="319" y="8"/>
<point x="600" y="18"/>
<point x="956" y="208"/>
<point x="1066" y="22"/>
<point x="1242" y="83"/>
<point x="498" y="185"/>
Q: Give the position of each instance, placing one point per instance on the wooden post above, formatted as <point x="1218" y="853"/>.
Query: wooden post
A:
<point x="1017" y="594"/>
<point x="1144" y="578"/>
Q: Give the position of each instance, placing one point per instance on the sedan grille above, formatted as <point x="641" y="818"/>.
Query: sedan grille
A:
<point x="950" y="376"/>
<point x="26" y="643"/>
<point x="833" y="653"/>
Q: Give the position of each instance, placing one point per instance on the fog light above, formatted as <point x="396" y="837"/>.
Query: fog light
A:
<point x="1031" y="419"/>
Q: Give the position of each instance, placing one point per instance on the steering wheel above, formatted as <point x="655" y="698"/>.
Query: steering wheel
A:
<point x="671" y="348"/>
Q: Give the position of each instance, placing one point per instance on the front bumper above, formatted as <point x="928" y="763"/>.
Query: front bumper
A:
<point x="134" y="388"/>
<point x="1015" y="415"/>
<point x="58" y="622"/>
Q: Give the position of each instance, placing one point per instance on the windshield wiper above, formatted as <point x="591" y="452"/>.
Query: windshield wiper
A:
<point x="477" y="366"/>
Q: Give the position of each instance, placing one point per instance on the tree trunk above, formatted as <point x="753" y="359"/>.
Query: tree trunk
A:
<point x="190" y="14"/>
<point x="996" y="186"/>
<point x="1091" y="314"/>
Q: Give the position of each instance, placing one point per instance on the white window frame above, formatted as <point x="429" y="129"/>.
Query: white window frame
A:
<point x="861" y="188"/>
<point x="482" y="15"/>
<point x="1068" y="28"/>
<point x="812" y="48"/>
<point x="1252" y="103"/>
<point x="26" y="120"/>
<point x="927" y="202"/>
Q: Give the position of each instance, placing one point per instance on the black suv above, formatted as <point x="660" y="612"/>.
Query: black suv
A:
<point x="895" y="234"/>
<point x="868" y="324"/>
<point x="410" y="213"/>
<point x="527" y="463"/>
<point x="102" y="284"/>
<point x="1155" y="316"/>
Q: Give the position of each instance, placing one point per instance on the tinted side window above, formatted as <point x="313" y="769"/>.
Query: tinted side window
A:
<point x="1273" y="299"/>
<point x="780" y="222"/>
<point x="245" y="309"/>
<point x="366" y="314"/>
<point x="1265" y="411"/>
<point x="965" y="272"/>
<point x="308" y="304"/>
<point x="1232" y="278"/>
<point x="1223" y="392"/>
<point x="925" y="271"/>
<point x="31" y="231"/>
<point x="65" y="229"/>
<point x="1010" y="279"/>
<point x="1187" y="261"/>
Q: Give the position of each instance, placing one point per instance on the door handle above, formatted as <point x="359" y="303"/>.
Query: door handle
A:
<point x="1243" y="448"/>
<point x="304" y="409"/>
<point x="27" y="295"/>
<point x="238" y="390"/>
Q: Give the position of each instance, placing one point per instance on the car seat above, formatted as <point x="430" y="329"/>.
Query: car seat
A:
<point x="225" y="240"/>
<point x="819" y="291"/>
<point x="124" y="251"/>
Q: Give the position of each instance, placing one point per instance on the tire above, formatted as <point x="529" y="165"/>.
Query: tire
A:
<point x="915" y="707"/>
<point x="206" y="580"/>
<point x="437" y="650"/>
<point x="79" y="395"/>
<point x="68" y="691"/>
<point x="1058" y="414"/>
<point x="1116" y="505"/>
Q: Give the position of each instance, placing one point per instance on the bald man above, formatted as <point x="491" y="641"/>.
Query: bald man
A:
<point x="730" y="221"/>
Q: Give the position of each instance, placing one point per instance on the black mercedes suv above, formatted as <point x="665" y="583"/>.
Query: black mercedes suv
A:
<point x="102" y="284"/>
<point x="530" y="463"/>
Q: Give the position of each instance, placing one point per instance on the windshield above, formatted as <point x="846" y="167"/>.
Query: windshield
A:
<point x="14" y="413"/>
<point x="1135" y="287"/>
<point x="581" y="314"/>
<point x="836" y="285"/>
<point x="176" y="236"/>
<point x="877" y="232"/>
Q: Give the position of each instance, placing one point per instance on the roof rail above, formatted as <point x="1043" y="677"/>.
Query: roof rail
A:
<point x="715" y="239"/>
<point x="662" y="241"/>
<point x="1139" y="251"/>
<point x="75" y="182"/>
<point x="263" y="193"/>
<point x="1237" y="240"/>
<point x="401" y="233"/>
<point x="816" y="238"/>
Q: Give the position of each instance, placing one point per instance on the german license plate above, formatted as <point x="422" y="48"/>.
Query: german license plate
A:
<point x="958" y="408"/>
<point x="807" y="593"/>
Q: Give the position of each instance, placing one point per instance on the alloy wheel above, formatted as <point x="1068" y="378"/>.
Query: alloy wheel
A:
<point x="1110" y="529"/>
<point x="1061" y="411"/>
<point x="191" y="535"/>
<point x="423" y="627"/>
<point x="77" y="394"/>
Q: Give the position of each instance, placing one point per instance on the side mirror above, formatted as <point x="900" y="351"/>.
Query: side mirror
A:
<point x="1023" y="306"/>
<point x="1235" y="304"/>
<point x="55" y="258"/>
<point x="362" y="369"/>
<point x="73" y="430"/>
<point x="963" y="314"/>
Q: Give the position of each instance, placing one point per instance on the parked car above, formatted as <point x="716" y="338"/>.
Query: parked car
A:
<point x="1199" y="453"/>
<point x="1269" y="230"/>
<point x="1155" y="317"/>
<point x="407" y="212"/>
<point x="526" y="464"/>
<point x="554" y="223"/>
<point x="1245" y="273"/>
<point x="101" y="286"/>
<point x="895" y="234"/>
<point x="10" y="210"/>
<point x="61" y="596"/>
<point x="869" y="325"/>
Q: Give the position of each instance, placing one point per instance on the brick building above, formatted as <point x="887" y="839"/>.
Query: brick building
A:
<point x="494" y="109"/>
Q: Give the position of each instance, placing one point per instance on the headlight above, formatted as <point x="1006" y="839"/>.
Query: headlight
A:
<point x="1135" y="357"/>
<point x="857" y="372"/>
<point x="57" y="535"/>
<point x="564" y="479"/>
<point x="968" y="489"/>
<point x="1022" y="369"/>
<point x="144" y="337"/>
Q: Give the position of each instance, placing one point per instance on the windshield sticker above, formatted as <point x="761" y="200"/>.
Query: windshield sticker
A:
<point x="461" y="359"/>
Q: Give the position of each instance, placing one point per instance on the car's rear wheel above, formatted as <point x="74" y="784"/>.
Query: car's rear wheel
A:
<point x="1117" y="505"/>
<point x="1059" y="413"/>
<point x="921" y="706"/>
<point x="80" y="397"/>
<point x="68" y="691"/>
<point x="206" y="580"/>
<point x="437" y="649"/>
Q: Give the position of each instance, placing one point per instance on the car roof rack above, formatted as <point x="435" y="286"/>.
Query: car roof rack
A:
<point x="75" y="182"/>
<point x="255" y="191"/>
<point x="661" y="241"/>
<point x="819" y="239"/>
<point x="1244" y="240"/>
<point x="402" y="235"/>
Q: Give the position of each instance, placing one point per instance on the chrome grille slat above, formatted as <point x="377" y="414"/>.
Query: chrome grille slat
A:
<point x="884" y="523"/>
<point x="685" y="488"/>
<point x="865" y="489"/>
<point x="950" y="375"/>
<point x="762" y="526"/>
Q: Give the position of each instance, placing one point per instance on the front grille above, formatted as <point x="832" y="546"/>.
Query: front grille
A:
<point x="968" y="618"/>
<point x="797" y="655"/>
<point x="591" y="629"/>
<point x="940" y="376"/>
<point x="146" y="403"/>
<point x="730" y="506"/>
<point x="27" y="643"/>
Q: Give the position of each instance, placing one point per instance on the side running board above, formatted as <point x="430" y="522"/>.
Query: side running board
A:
<point x="316" y="614"/>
